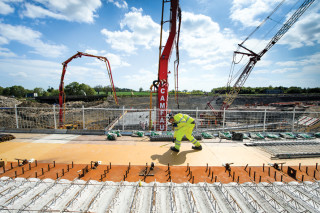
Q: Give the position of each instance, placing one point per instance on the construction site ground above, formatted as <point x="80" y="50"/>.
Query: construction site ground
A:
<point x="67" y="156"/>
<point x="185" y="101"/>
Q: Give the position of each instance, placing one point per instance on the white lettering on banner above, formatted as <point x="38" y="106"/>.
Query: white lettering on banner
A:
<point x="162" y="109"/>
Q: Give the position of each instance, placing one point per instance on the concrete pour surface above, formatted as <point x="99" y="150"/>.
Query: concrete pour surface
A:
<point x="82" y="149"/>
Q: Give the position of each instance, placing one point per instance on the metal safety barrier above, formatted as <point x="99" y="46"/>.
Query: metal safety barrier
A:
<point x="125" y="119"/>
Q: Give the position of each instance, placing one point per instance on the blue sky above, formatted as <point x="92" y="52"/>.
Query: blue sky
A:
<point x="36" y="36"/>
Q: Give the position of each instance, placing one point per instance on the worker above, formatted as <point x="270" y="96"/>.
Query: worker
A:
<point x="183" y="125"/>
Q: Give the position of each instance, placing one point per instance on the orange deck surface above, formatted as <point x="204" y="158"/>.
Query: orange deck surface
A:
<point x="176" y="174"/>
<point x="82" y="149"/>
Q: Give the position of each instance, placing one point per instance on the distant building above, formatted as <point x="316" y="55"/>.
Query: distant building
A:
<point x="274" y="91"/>
<point x="32" y="95"/>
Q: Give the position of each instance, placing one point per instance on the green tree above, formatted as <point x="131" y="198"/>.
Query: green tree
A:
<point x="107" y="89"/>
<point x="98" y="88"/>
<point x="1" y="90"/>
<point x="313" y="90"/>
<point x="197" y="92"/>
<point x="75" y="88"/>
<point x="72" y="88"/>
<point x="86" y="89"/>
<point x="6" y="91"/>
<point x="16" y="91"/>
<point x="54" y="92"/>
<point x="50" y="89"/>
<point x="140" y="89"/>
<point x="39" y="91"/>
<point x="293" y="90"/>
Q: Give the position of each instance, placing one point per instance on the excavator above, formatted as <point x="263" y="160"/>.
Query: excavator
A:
<point x="254" y="58"/>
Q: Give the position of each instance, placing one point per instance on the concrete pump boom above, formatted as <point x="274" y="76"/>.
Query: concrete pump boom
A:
<point x="162" y="82"/>
<point x="61" y="86"/>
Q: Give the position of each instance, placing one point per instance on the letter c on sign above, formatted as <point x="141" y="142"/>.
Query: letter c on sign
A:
<point x="162" y="90"/>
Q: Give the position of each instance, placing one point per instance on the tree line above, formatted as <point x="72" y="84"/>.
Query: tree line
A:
<point x="73" y="88"/>
<point x="269" y="90"/>
<point x="76" y="88"/>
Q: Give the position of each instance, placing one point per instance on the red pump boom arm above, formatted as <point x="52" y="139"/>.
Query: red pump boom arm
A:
<point x="163" y="85"/>
<point x="61" y="86"/>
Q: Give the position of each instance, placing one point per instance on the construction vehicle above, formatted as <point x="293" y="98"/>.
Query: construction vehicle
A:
<point x="161" y="85"/>
<point x="255" y="57"/>
<point x="62" y="95"/>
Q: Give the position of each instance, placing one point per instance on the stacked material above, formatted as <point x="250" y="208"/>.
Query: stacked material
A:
<point x="272" y="136"/>
<point x="207" y="135"/>
<point x="225" y="135"/>
<point x="288" y="135"/>
<point x="256" y="135"/>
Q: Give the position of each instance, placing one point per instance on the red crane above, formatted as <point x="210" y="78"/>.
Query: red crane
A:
<point x="162" y="84"/>
<point x="255" y="57"/>
<point x="61" y="86"/>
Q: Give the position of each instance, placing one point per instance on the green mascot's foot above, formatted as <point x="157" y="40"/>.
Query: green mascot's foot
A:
<point x="197" y="147"/>
<point x="174" y="149"/>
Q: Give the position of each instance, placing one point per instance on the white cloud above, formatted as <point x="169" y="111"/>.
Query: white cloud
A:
<point x="5" y="8"/>
<point x="70" y="10"/>
<point x="284" y="70"/>
<point x="95" y="52"/>
<point x="204" y="41"/>
<point x="31" y="38"/>
<point x="304" y="71"/>
<point x="136" y="30"/>
<point x="5" y="52"/>
<point x="34" y="11"/>
<point x="19" y="74"/>
<point x="115" y="61"/>
<point x="313" y="69"/>
<point x="262" y="71"/>
<point x="306" y="32"/>
<point x="142" y="78"/>
<point x="207" y="64"/>
<point x="303" y="61"/>
<point x="287" y="63"/>
<point x="3" y="40"/>
<point x="263" y="63"/>
<point x="247" y="11"/>
<point x="120" y="40"/>
<point x="30" y="73"/>
<point x="203" y="81"/>
<point x="120" y="4"/>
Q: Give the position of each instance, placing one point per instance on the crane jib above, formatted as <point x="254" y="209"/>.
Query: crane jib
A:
<point x="254" y="58"/>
